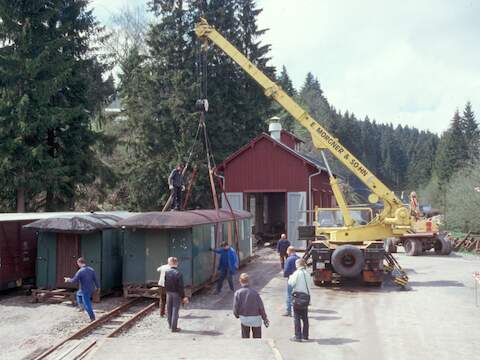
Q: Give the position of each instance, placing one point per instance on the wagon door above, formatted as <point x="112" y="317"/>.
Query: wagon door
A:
<point x="91" y="250"/>
<point x="46" y="260"/>
<point x="68" y="251"/>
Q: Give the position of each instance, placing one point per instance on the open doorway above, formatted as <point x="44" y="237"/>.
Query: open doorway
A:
<point x="269" y="215"/>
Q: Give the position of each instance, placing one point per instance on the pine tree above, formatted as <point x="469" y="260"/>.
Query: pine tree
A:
<point x="452" y="151"/>
<point x="288" y="122"/>
<point x="51" y="90"/>
<point x="471" y="132"/>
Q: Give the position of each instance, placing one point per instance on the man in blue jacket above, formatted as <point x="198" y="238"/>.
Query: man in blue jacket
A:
<point x="282" y="246"/>
<point x="227" y="265"/>
<point x="88" y="283"/>
<point x="288" y="270"/>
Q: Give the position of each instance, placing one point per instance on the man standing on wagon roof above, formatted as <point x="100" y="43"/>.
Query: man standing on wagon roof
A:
<point x="175" y="183"/>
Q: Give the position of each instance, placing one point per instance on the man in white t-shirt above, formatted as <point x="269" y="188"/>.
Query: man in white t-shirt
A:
<point x="161" y="286"/>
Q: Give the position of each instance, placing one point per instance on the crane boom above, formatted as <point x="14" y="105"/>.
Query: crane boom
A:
<point x="394" y="218"/>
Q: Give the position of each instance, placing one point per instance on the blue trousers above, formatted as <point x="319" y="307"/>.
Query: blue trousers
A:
<point x="289" y="299"/>
<point x="225" y="273"/>
<point x="85" y="300"/>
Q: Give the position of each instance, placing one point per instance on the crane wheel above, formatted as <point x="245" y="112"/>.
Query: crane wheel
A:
<point x="413" y="247"/>
<point x="442" y="246"/>
<point x="348" y="260"/>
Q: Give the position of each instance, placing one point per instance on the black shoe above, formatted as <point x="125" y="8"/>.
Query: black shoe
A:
<point x="294" y="339"/>
<point x="176" y="330"/>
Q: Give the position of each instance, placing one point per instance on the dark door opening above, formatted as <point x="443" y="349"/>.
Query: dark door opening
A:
<point x="269" y="215"/>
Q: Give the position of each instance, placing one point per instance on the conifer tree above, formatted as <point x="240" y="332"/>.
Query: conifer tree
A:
<point x="471" y="132"/>
<point x="51" y="91"/>
<point x="452" y="151"/>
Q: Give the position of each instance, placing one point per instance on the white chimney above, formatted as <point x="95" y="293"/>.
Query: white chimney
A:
<point x="275" y="128"/>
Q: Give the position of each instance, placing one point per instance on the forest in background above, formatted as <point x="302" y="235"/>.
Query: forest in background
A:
<point x="60" y="149"/>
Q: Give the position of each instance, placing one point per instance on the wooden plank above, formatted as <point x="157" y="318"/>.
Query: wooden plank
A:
<point x="79" y="351"/>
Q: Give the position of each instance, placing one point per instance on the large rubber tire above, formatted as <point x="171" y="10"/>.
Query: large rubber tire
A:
<point x="413" y="247"/>
<point x="390" y="246"/>
<point x="348" y="260"/>
<point x="446" y="246"/>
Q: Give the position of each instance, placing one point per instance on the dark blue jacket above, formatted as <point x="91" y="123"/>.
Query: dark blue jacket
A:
<point x="282" y="246"/>
<point x="87" y="279"/>
<point x="228" y="259"/>
<point x="290" y="266"/>
<point x="175" y="179"/>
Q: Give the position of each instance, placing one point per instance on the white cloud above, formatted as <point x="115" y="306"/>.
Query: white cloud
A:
<point x="405" y="62"/>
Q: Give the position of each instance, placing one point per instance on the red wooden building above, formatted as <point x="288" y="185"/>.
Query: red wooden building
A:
<point x="278" y="184"/>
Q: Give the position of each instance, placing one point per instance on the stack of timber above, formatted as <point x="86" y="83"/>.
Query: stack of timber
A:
<point x="471" y="242"/>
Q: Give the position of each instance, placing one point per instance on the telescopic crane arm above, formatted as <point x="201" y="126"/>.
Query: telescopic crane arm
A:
<point x="394" y="218"/>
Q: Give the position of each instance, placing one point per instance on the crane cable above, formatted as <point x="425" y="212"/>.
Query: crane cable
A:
<point x="202" y="106"/>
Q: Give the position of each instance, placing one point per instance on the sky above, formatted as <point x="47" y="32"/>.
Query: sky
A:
<point x="409" y="62"/>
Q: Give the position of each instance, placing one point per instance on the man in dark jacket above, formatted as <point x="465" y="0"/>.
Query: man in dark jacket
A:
<point x="175" y="293"/>
<point x="175" y="183"/>
<point x="88" y="283"/>
<point x="248" y="306"/>
<point x="282" y="246"/>
<point x="227" y="265"/>
<point x="289" y="269"/>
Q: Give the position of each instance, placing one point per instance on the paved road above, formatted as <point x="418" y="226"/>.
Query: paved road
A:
<point x="436" y="319"/>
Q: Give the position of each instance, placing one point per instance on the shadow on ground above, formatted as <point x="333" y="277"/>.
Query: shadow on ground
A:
<point x="437" y="283"/>
<point x="334" y="341"/>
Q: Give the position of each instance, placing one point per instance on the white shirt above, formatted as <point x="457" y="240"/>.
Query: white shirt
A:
<point x="301" y="281"/>
<point x="162" y="270"/>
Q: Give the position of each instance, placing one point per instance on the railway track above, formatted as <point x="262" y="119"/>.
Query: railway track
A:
<point x="111" y="324"/>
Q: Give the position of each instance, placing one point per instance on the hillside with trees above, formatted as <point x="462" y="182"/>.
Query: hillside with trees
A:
<point x="60" y="151"/>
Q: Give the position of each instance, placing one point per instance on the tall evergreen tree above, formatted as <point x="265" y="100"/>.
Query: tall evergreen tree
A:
<point x="471" y="132"/>
<point x="452" y="151"/>
<point x="288" y="122"/>
<point x="50" y="91"/>
<point x="170" y="84"/>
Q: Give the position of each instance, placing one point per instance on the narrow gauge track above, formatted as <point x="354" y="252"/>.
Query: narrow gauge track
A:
<point x="116" y="321"/>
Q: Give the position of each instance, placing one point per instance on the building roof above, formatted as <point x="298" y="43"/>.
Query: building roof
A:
<point x="313" y="162"/>
<point x="48" y="215"/>
<point x="180" y="219"/>
<point x="78" y="224"/>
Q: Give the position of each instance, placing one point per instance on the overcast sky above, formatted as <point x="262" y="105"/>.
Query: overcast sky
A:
<point x="409" y="62"/>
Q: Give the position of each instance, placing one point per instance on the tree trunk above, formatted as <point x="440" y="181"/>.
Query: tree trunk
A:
<point x="20" y="200"/>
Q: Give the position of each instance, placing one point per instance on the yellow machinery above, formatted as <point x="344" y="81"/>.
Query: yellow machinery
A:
<point x="353" y="248"/>
<point x="423" y="236"/>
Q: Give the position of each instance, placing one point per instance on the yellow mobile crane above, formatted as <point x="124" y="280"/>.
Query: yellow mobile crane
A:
<point x="352" y="247"/>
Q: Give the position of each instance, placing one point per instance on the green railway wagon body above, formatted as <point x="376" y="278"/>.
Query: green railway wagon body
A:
<point x="151" y="238"/>
<point x="61" y="242"/>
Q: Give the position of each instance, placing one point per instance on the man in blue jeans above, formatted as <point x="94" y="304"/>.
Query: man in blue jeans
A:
<point x="227" y="265"/>
<point x="88" y="283"/>
<point x="288" y="270"/>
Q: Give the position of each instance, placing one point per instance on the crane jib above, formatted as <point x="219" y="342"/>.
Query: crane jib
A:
<point x="339" y="149"/>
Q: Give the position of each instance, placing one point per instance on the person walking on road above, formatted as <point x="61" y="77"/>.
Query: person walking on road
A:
<point x="161" y="288"/>
<point x="288" y="270"/>
<point x="88" y="284"/>
<point x="282" y="246"/>
<point x="175" y="293"/>
<point x="248" y="306"/>
<point x="175" y="183"/>
<point x="227" y="265"/>
<point x="301" y="283"/>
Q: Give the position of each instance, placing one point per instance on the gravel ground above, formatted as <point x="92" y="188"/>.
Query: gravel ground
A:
<point x="436" y="319"/>
<point x="27" y="328"/>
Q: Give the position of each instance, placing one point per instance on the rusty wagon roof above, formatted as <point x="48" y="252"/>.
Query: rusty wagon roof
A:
<point x="82" y="223"/>
<point x="180" y="219"/>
